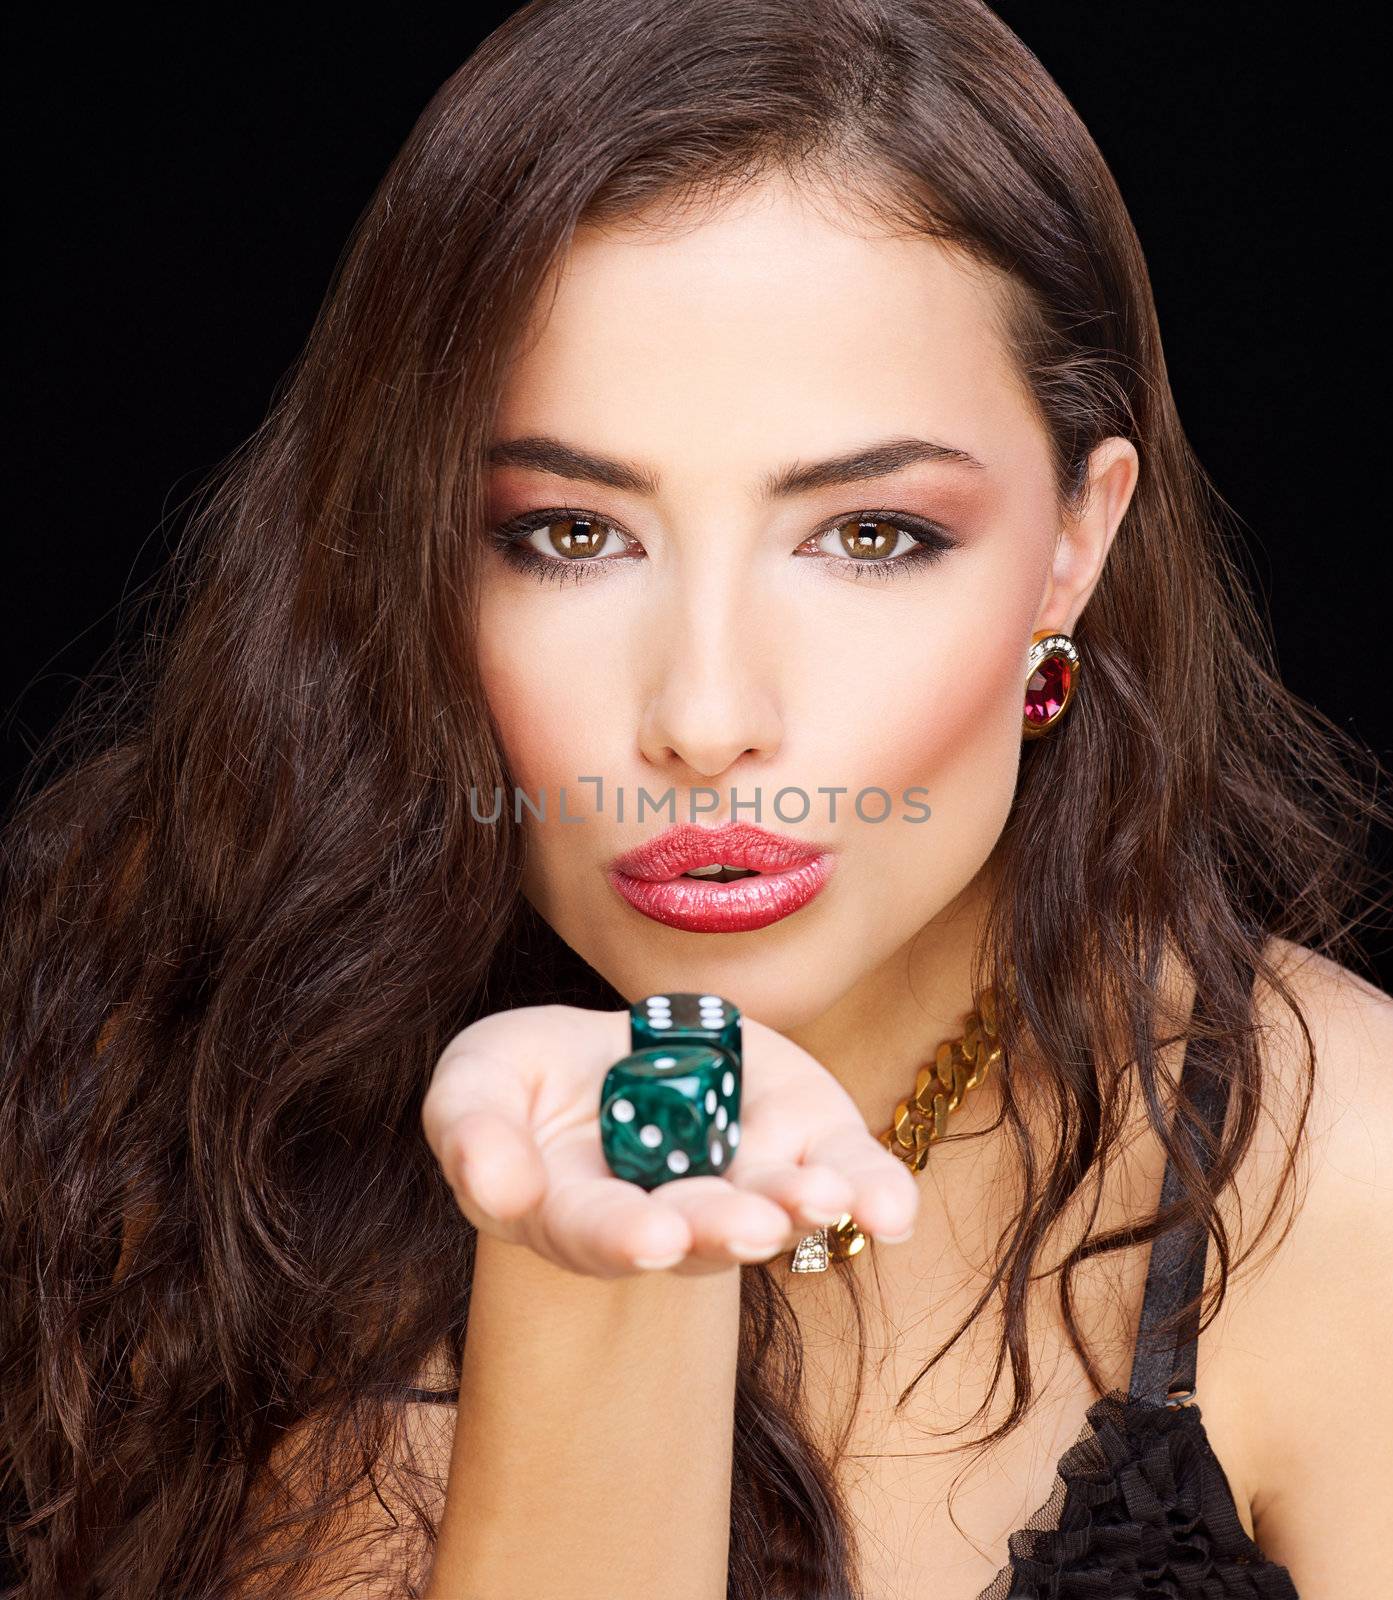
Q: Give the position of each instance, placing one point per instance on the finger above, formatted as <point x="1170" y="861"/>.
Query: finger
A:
<point x="606" y="1227"/>
<point x="714" y="1211"/>
<point x="475" y="1117"/>
<point x="727" y="1224"/>
<point x="886" y="1197"/>
<point x="813" y="1195"/>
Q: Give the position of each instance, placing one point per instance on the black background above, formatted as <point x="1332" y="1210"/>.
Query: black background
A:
<point x="181" y="188"/>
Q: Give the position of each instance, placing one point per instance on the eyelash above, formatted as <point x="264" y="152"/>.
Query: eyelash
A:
<point x="931" y="545"/>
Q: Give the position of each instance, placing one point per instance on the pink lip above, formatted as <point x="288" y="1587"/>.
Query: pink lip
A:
<point x="650" y="877"/>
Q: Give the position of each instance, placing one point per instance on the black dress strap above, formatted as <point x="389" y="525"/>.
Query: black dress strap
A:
<point x="1165" y="1372"/>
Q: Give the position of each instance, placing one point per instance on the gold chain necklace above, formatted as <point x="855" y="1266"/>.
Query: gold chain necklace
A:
<point x="959" y="1065"/>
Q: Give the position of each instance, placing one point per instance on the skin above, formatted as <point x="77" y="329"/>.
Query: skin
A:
<point x="721" y="658"/>
<point x="720" y="643"/>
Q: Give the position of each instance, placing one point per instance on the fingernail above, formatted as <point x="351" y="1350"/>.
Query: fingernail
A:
<point x="659" y="1263"/>
<point x="820" y="1219"/>
<point x="750" y="1252"/>
<point x="894" y="1238"/>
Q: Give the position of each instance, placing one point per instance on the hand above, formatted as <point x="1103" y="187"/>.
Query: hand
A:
<point x="512" y="1115"/>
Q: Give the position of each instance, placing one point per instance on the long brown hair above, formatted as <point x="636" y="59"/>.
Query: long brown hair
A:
<point x="246" y="905"/>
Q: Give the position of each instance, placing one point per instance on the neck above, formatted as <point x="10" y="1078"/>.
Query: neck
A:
<point x="877" y="1035"/>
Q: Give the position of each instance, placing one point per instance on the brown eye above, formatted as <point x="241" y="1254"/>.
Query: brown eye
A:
<point x="865" y="539"/>
<point x="576" y="537"/>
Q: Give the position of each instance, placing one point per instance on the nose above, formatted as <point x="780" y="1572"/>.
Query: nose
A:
<point x="713" y="661"/>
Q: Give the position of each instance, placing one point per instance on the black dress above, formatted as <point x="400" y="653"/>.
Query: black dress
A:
<point x="1140" y="1506"/>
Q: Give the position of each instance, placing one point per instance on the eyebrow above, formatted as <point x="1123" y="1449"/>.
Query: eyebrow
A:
<point x="543" y="453"/>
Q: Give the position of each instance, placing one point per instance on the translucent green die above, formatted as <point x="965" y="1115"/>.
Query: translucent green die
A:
<point x="685" y="1019"/>
<point x="670" y="1111"/>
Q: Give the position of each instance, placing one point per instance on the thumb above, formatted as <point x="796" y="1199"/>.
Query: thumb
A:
<point x="476" y="1120"/>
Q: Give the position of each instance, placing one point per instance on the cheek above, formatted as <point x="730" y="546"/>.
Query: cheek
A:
<point x="951" y="735"/>
<point x="955" y="744"/>
<point x="961" y="730"/>
<point x="937" y="705"/>
<point x="953" y="722"/>
<point x="549" y="698"/>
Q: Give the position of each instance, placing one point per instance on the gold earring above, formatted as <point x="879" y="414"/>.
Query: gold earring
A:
<point x="1051" y="676"/>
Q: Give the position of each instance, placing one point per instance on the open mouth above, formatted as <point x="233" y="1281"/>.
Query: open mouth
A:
<point x="733" y="879"/>
<point x="719" y="898"/>
<point x="720" y="873"/>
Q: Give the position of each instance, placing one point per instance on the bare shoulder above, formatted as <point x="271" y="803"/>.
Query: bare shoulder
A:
<point x="1335" y="1049"/>
<point x="1316" y="1318"/>
<point x="1347" y="1142"/>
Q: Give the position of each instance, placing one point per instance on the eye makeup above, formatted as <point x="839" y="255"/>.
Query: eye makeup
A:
<point x="929" y="543"/>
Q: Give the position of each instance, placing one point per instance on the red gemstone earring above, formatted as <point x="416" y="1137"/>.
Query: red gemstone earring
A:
<point x="1051" y="673"/>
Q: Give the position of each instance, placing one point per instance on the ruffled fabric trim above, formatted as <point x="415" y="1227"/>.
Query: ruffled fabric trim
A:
<point x="1141" y="1507"/>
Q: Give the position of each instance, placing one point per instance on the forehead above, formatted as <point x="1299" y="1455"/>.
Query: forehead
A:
<point x="772" y="324"/>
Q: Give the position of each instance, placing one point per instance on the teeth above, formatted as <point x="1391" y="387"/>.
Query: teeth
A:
<point x="716" y="871"/>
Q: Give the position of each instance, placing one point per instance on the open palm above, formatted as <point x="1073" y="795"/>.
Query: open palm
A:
<point x="512" y="1115"/>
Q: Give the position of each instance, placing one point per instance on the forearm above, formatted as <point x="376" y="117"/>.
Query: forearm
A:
<point x="592" y="1452"/>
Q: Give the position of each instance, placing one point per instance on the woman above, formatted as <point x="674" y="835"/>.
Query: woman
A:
<point x="321" y="1285"/>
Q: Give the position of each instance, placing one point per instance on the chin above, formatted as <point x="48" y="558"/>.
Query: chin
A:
<point x="776" y="991"/>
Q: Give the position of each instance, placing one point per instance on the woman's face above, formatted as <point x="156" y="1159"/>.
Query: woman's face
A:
<point x="702" y="627"/>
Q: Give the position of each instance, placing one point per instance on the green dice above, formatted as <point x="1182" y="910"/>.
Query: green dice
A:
<point x="671" y="1108"/>
<point x="685" y="1019"/>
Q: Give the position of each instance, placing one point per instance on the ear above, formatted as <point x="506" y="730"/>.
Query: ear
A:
<point x="1086" y="537"/>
